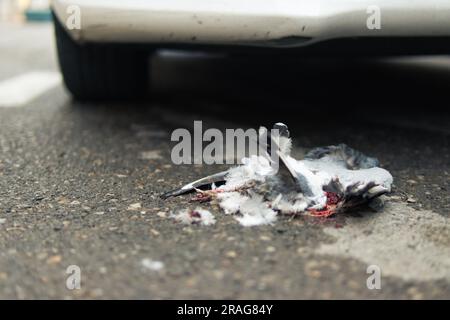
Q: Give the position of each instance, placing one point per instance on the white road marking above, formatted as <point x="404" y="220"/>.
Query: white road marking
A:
<point x="22" y="89"/>
<point x="405" y="243"/>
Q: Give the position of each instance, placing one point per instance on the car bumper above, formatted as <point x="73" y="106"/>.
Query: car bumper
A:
<point x="251" y="22"/>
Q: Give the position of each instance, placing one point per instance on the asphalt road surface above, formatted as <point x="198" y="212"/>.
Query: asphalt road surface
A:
<point x="80" y="182"/>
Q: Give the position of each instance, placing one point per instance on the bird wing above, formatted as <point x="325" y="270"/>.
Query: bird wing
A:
<point x="209" y="180"/>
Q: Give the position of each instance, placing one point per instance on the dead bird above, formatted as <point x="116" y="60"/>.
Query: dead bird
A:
<point x="327" y="181"/>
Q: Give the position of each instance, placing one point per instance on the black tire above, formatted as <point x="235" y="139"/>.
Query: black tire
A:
<point x="95" y="71"/>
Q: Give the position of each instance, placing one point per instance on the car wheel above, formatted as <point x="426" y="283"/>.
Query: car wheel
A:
<point x="102" y="71"/>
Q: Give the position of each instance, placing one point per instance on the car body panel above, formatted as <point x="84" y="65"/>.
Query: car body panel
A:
<point x="274" y="23"/>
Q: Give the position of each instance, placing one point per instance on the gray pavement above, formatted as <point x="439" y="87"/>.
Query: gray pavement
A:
<point x="77" y="189"/>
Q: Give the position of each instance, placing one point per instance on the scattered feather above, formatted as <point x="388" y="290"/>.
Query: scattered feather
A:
<point x="196" y="216"/>
<point x="256" y="212"/>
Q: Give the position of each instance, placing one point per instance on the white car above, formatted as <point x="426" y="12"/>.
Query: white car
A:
<point x="104" y="45"/>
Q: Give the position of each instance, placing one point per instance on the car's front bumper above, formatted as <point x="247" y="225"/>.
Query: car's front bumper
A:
<point x="252" y="22"/>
